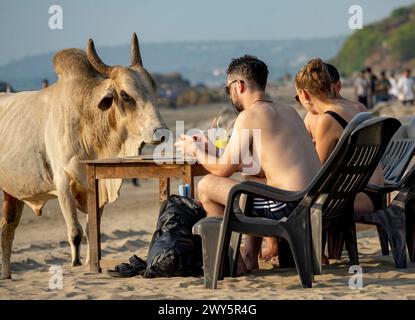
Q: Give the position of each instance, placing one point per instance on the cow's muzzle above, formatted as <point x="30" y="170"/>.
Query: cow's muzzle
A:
<point x="160" y="135"/>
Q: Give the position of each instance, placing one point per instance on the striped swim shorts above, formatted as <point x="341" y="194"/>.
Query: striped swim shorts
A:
<point x="273" y="209"/>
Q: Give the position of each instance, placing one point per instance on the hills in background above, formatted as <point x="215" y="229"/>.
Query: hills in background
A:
<point x="199" y="62"/>
<point x="386" y="45"/>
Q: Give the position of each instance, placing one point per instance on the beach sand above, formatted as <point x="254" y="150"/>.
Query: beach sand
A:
<point x="127" y="227"/>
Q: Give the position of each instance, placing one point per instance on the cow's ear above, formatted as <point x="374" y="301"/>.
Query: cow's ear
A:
<point x="106" y="101"/>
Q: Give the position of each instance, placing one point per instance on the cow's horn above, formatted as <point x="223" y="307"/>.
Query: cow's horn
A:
<point x="95" y="60"/>
<point x="135" y="52"/>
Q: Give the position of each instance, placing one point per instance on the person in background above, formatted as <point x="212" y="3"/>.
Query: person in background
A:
<point x="406" y="88"/>
<point x="45" y="83"/>
<point x="371" y="97"/>
<point x="361" y="88"/>
<point x="393" y="91"/>
<point x="382" y="88"/>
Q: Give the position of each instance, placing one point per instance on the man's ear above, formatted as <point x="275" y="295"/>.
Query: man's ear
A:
<point x="241" y="86"/>
<point x="105" y="102"/>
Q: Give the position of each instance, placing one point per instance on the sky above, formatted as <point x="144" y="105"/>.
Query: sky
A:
<point x="25" y="31"/>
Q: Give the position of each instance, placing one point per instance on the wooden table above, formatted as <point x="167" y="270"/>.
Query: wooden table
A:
<point x="128" y="168"/>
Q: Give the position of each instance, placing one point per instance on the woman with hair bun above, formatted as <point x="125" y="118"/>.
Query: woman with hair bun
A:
<point x="314" y="92"/>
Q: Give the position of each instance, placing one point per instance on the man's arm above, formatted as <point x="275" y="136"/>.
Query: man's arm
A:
<point x="230" y="160"/>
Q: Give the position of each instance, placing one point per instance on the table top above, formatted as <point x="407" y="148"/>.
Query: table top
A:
<point x="148" y="159"/>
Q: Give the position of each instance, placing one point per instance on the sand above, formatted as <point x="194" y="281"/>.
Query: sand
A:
<point x="127" y="227"/>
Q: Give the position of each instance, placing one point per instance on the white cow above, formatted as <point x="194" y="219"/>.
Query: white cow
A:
<point x="92" y="111"/>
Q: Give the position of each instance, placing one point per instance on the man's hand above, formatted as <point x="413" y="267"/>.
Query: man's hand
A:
<point x="201" y="140"/>
<point x="186" y="145"/>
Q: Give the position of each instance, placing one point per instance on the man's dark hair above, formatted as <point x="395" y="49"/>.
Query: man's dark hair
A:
<point x="251" y="68"/>
<point x="334" y="73"/>
<point x="369" y="70"/>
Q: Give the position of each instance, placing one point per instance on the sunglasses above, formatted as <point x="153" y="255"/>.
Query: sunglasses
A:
<point x="297" y="98"/>
<point x="228" y="87"/>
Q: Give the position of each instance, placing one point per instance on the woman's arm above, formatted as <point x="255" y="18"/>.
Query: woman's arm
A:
<point x="326" y="137"/>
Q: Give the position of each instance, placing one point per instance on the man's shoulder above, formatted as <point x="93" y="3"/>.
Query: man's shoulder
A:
<point x="273" y="111"/>
<point x="258" y="109"/>
<point x="242" y="119"/>
<point x="269" y="112"/>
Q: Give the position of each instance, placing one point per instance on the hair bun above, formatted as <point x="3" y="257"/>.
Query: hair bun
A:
<point x="314" y="77"/>
<point x="315" y="64"/>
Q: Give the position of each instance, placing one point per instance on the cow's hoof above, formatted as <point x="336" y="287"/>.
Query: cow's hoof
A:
<point x="76" y="263"/>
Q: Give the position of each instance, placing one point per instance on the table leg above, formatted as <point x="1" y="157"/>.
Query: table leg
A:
<point x="189" y="178"/>
<point x="94" y="237"/>
<point x="164" y="188"/>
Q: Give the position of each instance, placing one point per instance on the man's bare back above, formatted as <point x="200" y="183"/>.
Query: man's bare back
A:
<point x="288" y="157"/>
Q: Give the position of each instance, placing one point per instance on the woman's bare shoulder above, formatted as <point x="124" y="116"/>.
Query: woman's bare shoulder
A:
<point x="324" y="123"/>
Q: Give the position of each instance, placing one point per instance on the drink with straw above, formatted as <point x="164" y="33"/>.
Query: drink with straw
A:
<point x="216" y="136"/>
<point x="221" y="136"/>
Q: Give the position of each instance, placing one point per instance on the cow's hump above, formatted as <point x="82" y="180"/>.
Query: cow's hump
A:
<point x="73" y="62"/>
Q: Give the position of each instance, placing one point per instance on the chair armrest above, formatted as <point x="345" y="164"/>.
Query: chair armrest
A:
<point x="373" y="188"/>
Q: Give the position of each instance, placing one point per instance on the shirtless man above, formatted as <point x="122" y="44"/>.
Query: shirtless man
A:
<point x="287" y="157"/>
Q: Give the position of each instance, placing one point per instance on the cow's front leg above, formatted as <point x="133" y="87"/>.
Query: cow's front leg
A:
<point x="68" y="207"/>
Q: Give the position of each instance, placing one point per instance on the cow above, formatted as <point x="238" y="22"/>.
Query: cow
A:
<point x="92" y="111"/>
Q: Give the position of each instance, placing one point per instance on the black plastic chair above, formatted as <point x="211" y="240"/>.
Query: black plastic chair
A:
<point x="408" y="196"/>
<point x="346" y="172"/>
<point x="395" y="162"/>
<point x="396" y="220"/>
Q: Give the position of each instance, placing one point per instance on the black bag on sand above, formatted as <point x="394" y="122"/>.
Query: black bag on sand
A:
<point x="174" y="250"/>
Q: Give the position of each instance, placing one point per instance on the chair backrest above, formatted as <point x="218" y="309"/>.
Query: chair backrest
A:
<point x="396" y="159"/>
<point x="352" y="162"/>
<point x="411" y="130"/>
